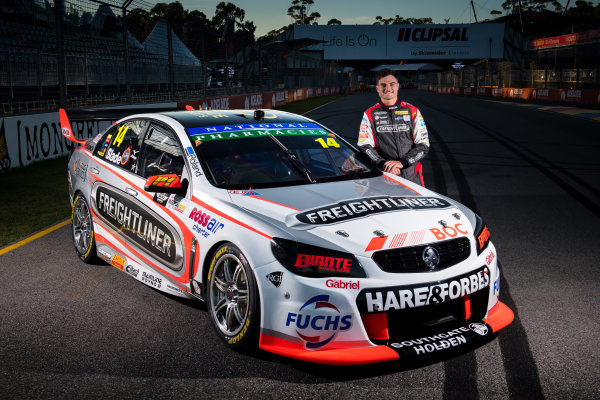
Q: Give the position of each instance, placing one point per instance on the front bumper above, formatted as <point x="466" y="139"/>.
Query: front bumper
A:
<point x="476" y="331"/>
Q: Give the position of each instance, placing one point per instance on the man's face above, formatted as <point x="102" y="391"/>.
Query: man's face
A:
<point x="387" y="88"/>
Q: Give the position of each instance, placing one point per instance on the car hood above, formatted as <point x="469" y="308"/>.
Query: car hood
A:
<point x="359" y="216"/>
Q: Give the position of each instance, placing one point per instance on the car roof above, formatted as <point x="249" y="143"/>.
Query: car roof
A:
<point x="194" y="119"/>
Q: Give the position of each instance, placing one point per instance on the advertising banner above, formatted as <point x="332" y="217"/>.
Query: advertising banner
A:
<point x="28" y="138"/>
<point x="565" y="40"/>
<point x="406" y="42"/>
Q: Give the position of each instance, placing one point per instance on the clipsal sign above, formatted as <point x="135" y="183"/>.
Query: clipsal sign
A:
<point x="407" y="42"/>
<point x="425" y="34"/>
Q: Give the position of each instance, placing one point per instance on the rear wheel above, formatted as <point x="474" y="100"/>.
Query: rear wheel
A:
<point x="83" y="230"/>
<point x="232" y="297"/>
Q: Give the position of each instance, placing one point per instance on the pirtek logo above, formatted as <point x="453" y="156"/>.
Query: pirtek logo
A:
<point x="448" y="34"/>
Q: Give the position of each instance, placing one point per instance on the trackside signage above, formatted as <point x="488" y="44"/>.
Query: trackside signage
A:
<point x="28" y="138"/>
<point x="406" y="42"/>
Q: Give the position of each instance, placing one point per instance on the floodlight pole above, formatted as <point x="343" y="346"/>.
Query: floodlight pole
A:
<point x="60" y="53"/>
<point x="126" y="4"/>
<point x="474" y="14"/>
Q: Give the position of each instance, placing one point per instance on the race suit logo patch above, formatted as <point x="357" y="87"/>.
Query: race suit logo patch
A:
<point x="318" y="321"/>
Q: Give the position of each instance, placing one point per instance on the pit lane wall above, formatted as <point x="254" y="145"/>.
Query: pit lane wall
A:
<point x="578" y="96"/>
<point x="258" y="100"/>
<point x="28" y="138"/>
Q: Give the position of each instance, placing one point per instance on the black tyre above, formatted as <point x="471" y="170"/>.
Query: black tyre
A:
<point x="83" y="230"/>
<point x="232" y="298"/>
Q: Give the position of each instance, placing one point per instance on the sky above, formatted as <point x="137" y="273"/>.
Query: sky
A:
<point x="272" y="14"/>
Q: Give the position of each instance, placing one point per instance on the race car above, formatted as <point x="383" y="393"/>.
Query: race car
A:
<point x="297" y="243"/>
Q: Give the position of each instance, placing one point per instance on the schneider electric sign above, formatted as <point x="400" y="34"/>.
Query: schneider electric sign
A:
<point x="406" y="42"/>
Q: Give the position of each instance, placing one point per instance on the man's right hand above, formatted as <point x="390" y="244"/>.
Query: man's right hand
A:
<point x="393" y="167"/>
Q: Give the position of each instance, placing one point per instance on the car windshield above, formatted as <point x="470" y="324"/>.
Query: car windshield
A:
<point x="281" y="154"/>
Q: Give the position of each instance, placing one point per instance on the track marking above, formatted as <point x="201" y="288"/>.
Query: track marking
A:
<point x="31" y="238"/>
<point x="586" y="113"/>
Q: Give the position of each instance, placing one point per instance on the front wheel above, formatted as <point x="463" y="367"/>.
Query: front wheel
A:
<point x="83" y="230"/>
<point x="233" y="304"/>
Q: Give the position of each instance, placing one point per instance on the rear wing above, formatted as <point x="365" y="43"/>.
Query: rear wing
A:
<point x="65" y="127"/>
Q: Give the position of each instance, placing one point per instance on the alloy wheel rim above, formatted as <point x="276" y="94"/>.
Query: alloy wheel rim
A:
<point x="229" y="295"/>
<point x="82" y="224"/>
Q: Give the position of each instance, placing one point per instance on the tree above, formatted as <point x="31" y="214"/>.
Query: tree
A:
<point x="379" y="20"/>
<point x="334" y="21"/>
<point x="298" y="12"/>
<point x="139" y="23"/>
<point x="584" y="10"/>
<point x="173" y="13"/>
<point x="531" y="5"/>
<point x="272" y="34"/>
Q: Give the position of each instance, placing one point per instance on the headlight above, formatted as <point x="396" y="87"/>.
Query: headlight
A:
<point x="315" y="262"/>
<point x="482" y="234"/>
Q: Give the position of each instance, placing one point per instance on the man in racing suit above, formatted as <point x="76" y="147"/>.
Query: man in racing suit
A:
<point x="393" y="132"/>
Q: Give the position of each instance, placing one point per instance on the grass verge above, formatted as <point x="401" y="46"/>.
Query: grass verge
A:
<point x="35" y="196"/>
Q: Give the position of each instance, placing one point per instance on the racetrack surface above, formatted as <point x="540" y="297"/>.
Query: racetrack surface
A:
<point x="74" y="330"/>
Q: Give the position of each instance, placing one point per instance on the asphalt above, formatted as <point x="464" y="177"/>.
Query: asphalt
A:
<point x="72" y="330"/>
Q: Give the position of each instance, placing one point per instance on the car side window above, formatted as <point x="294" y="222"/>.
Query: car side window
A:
<point x="161" y="153"/>
<point x="121" y="146"/>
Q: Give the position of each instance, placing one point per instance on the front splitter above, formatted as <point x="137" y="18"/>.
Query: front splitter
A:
<point x="445" y="341"/>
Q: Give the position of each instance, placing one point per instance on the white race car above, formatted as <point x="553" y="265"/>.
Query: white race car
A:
<point x="294" y="240"/>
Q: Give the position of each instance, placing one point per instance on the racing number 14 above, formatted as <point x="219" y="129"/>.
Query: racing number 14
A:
<point x="120" y="135"/>
<point x="330" y="142"/>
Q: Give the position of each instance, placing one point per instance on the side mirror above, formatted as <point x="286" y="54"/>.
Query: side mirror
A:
<point x="169" y="183"/>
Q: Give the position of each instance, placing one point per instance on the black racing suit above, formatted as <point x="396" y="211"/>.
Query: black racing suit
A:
<point x="397" y="133"/>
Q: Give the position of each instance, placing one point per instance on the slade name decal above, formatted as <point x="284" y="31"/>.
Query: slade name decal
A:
<point x="356" y="208"/>
<point x="402" y="297"/>
<point x="138" y="225"/>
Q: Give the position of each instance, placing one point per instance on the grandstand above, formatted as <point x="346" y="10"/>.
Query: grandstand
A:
<point x="95" y="58"/>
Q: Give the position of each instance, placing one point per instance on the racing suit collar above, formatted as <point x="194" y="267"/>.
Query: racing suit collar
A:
<point x="393" y="106"/>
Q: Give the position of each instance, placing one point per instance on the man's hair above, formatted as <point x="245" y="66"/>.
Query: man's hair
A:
<point x="382" y="73"/>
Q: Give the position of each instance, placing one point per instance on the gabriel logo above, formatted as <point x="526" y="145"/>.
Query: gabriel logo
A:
<point x="275" y="278"/>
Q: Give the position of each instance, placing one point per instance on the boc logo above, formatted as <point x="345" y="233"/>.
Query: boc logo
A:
<point x="318" y="322"/>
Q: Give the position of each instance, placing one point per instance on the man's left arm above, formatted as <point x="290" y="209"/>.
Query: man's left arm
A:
<point x="420" y="146"/>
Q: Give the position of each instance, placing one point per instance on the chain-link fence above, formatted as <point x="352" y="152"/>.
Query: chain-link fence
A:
<point x="82" y="52"/>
